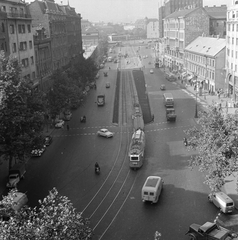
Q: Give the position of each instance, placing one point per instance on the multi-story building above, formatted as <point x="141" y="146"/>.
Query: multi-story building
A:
<point x="141" y="23"/>
<point x="4" y="40"/>
<point x="205" y="61"/>
<point x="20" y="36"/>
<point x="217" y="20"/>
<point x="49" y="15"/>
<point x="152" y="28"/>
<point x="180" y="29"/>
<point x="166" y="7"/>
<point x="232" y="50"/>
<point x="85" y="24"/>
<point x="90" y="36"/>
<point x="42" y="46"/>
<point x="73" y="30"/>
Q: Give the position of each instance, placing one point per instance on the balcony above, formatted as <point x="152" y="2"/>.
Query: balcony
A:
<point x="18" y="15"/>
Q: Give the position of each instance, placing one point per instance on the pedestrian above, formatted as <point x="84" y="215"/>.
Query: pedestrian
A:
<point x="153" y="118"/>
<point x="209" y="91"/>
<point x="68" y="127"/>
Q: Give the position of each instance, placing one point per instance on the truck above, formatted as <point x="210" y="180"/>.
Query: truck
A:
<point x="101" y="100"/>
<point x="210" y="231"/>
<point x="16" y="173"/>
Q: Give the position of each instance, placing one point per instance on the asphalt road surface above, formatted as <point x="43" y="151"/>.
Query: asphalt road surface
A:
<point x="112" y="199"/>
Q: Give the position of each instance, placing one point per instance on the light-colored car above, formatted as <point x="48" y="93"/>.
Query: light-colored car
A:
<point x="37" y="152"/>
<point x="151" y="71"/>
<point x="105" y="133"/>
<point x="107" y="85"/>
<point x="59" y="124"/>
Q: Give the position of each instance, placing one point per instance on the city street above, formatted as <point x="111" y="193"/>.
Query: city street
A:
<point x="112" y="199"/>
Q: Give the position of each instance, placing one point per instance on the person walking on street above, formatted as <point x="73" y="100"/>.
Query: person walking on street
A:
<point x="68" y="127"/>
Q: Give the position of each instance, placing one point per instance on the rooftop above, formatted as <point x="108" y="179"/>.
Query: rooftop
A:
<point x="207" y="45"/>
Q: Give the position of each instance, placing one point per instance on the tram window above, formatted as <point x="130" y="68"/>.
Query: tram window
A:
<point x="145" y="193"/>
<point x="134" y="158"/>
<point x="151" y="194"/>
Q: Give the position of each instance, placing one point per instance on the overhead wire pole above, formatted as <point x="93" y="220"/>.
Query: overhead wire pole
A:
<point x="196" y="106"/>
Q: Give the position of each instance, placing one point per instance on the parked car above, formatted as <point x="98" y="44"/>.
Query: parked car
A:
<point x="151" y="71"/>
<point x="59" y="124"/>
<point x="38" y="151"/>
<point x="105" y="133"/>
<point x="48" y="140"/>
<point x="162" y="87"/>
<point x="210" y="231"/>
<point x="107" y="85"/>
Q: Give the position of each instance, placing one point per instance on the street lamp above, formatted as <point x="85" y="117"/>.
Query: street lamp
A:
<point x="196" y="106"/>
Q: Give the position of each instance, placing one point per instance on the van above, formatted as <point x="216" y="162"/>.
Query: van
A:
<point x="151" y="189"/>
<point x="222" y="201"/>
<point x="168" y="100"/>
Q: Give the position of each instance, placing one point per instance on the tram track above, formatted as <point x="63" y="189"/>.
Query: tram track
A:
<point x="113" y="193"/>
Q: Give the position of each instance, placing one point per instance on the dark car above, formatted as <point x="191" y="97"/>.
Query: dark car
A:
<point x="48" y="140"/>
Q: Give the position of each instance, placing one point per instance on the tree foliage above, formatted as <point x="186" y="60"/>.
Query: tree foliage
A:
<point x="215" y="139"/>
<point x="21" y="116"/>
<point x="55" y="218"/>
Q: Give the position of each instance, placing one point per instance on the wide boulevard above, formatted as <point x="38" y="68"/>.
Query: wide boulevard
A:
<point x="112" y="199"/>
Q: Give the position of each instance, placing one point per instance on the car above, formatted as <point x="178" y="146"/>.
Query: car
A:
<point x="48" y="140"/>
<point x="59" y="123"/>
<point x="151" y="71"/>
<point x="105" y="133"/>
<point x="107" y="85"/>
<point x="38" y="151"/>
<point x="209" y="231"/>
<point x="162" y="87"/>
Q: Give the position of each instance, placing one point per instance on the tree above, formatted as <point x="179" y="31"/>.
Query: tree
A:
<point x="55" y="218"/>
<point x="216" y="141"/>
<point x="21" y="116"/>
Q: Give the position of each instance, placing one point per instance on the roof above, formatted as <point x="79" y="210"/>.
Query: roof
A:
<point x="217" y="12"/>
<point x="181" y="13"/>
<point x="152" y="20"/>
<point x="207" y="45"/>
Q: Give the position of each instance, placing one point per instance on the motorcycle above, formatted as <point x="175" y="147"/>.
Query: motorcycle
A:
<point x="185" y="141"/>
<point x="83" y="119"/>
<point x="97" y="170"/>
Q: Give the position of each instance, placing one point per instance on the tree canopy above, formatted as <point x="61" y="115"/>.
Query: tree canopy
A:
<point x="55" y="218"/>
<point x="215" y="139"/>
<point x="21" y="116"/>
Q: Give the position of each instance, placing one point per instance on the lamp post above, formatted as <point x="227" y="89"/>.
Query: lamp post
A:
<point x="196" y="106"/>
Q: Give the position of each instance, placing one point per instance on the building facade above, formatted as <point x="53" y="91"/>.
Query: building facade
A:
<point x="90" y="37"/>
<point x="232" y="50"/>
<point x="217" y="20"/>
<point x="42" y="46"/>
<point x="49" y="15"/>
<point x="205" y="61"/>
<point x="152" y="28"/>
<point x="180" y="29"/>
<point x="4" y="40"/>
<point x="20" y="37"/>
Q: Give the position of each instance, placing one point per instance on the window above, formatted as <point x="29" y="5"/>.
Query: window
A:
<point x="29" y="28"/>
<point x="236" y="54"/>
<point x="23" y="46"/>
<point x="3" y="27"/>
<point x="25" y="62"/>
<point x="33" y="75"/>
<point x="19" y="28"/>
<point x="14" y="47"/>
<point x="233" y="27"/>
<point x="3" y="8"/>
<point x="12" y="30"/>
<point x="32" y="60"/>
<point x="231" y="53"/>
<point x="232" y="40"/>
<point x="23" y="28"/>
<point x="30" y="44"/>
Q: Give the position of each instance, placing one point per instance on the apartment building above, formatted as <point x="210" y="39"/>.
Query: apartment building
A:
<point x="20" y="37"/>
<point x="152" y="28"/>
<point x="166" y="7"/>
<point x="180" y="29"/>
<point x="49" y="15"/>
<point x="205" y="61"/>
<point x="232" y="50"/>
<point x="42" y="46"/>
<point x="217" y="20"/>
<point x="4" y="41"/>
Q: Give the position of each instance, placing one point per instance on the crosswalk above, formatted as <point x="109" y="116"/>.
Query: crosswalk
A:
<point x="203" y="103"/>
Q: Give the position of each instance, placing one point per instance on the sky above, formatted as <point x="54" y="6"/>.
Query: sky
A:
<point x="122" y="10"/>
